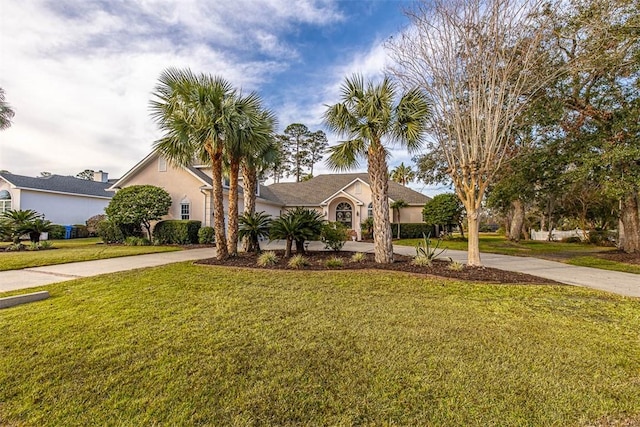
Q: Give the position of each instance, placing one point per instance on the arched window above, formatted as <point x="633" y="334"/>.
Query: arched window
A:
<point x="344" y="214"/>
<point x="5" y="201"/>
<point x="370" y="210"/>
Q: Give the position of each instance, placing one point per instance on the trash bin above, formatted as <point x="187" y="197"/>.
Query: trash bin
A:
<point x="67" y="231"/>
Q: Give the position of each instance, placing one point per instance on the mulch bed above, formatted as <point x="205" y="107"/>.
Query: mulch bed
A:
<point x="440" y="268"/>
<point x="620" y="256"/>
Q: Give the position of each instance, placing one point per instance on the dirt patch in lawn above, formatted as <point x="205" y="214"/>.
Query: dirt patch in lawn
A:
<point x="317" y="261"/>
<point x="620" y="256"/>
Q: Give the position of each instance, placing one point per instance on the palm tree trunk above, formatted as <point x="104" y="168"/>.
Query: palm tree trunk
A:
<point x="232" y="237"/>
<point x="250" y="185"/>
<point x="382" y="242"/>
<point x="249" y="180"/>
<point x="218" y="205"/>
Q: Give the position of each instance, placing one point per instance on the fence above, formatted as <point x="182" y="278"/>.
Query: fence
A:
<point x="557" y="235"/>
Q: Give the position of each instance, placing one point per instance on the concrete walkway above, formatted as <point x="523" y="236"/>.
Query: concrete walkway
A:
<point x="626" y="284"/>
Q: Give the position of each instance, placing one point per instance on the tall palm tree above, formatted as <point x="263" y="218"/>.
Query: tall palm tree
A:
<point x="196" y="114"/>
<point x="402" y="174"/>
<point x="369" y="118"/>
<point x="397" y="206"/>
<point x="6" y="113"/>
<point x="252" y="130"/>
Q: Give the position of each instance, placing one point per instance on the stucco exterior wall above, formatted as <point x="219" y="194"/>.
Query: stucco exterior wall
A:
<point x="61" y="208"/>
<point x="181" y="186"/>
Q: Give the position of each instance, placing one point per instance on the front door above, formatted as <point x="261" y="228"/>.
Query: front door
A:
<point x="344" y="214"/>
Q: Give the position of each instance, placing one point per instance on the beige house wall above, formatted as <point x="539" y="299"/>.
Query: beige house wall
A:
<point x="181" y="186"/>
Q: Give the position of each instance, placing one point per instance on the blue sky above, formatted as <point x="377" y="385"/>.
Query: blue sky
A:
<point x="79" y="73"/>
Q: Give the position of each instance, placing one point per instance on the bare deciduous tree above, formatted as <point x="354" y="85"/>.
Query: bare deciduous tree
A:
<point x="478" y="61"/>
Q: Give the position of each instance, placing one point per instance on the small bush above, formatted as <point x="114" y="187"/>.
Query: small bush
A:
<point x="298" y="261"/>
<point x="92" y="224"/>
<point x="602" y="238"/>
<point x="334" y="234"/>
<point x="136" y="241"/>
<point x="206" y="236"/>
<point x="421" y="261"/>
<point x="456" y="266"/>
<point x="180" y="232"/>
<point x="427" y="250"/>
<point x="57" y="232"/>
<point x="359" y="257"/>
<point x="15" y="247"/>
<point x="79" y="231"/>
<point x="413" y="230"/>
<point x="334" y="262"/>
<point x="110" y="232"/>
<point x="45" y="244"/>
<point x="572" y="239"/>
<point x="267" y="258"/>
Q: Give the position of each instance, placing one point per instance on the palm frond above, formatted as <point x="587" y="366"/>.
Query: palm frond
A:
<point x="346" y="155"/>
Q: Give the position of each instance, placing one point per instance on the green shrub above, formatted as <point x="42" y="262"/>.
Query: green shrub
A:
<point x="413" y="230"/>
<point x="334" y="234"/>
<point x="15" y="247"/>
<point x="298" y="261"/>
<point x="136" y="241"/>
<point x="79" y="231"/>
<point x="427" y="250"/>
<point x="180" y="232"/>
<point x="57" y="232"/>
<point x="456" y="266"/>
<point x="602" y="237"/>
<point x="421" y="261"/>
<point x="110" y="232"/>
<point x="206" y="236"/>
<point x="267" y="258"/>
<point x="92" y="224"/>
<point x="334" y="262"/>
<point x="359" y="257"/>
<point x="572" y="239"/>
<point x="46" y="244"/>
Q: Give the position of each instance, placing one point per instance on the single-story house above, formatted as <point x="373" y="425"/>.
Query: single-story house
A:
<point x="62" y="199"/>
<point x="339" y="197"/>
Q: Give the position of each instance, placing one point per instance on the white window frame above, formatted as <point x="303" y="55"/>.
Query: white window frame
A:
<point x="184" y="205"/>
<point x="162" y="164"/>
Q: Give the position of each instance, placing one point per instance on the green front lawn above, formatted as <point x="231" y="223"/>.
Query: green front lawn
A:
<point x="73" y="250"/>
<point x="581" y="254"/>
<point x="194" y="345"/>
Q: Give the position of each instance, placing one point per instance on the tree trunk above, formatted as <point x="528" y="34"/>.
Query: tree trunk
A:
<point x="382" y="242"/>
<point x="461" y="226"/>
<point x="517" y="221"/>
<point x="630" y="218"/>
<point x="287" y="250"/>
<point x="250" y="183"/>
<point x="473" y="246"/>
<point x="218" y="205"/>
<point x="232" y="237"/>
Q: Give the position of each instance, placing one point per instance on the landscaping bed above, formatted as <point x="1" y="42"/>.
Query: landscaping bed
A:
<point x="317" y="260"/>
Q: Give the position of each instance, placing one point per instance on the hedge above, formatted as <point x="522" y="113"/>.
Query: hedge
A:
<point x="181" y="232"/>
<point x="412" y="230"/>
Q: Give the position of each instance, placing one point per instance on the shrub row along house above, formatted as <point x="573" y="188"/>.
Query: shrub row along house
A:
<point x="344" y="198"/>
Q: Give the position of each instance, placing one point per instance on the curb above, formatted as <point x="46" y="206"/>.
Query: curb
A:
<point x="14" y="300"/>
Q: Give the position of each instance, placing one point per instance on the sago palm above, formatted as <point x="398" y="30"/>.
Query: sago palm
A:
<point x="371" y="120"/>
<point x="196" y="113"/>
<point x="253" y="227"/>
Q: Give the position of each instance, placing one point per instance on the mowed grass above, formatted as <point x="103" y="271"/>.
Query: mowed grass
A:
<point x="200" y="345"/>
<point x="73" y="250"/>
<point x="580" y="254"/>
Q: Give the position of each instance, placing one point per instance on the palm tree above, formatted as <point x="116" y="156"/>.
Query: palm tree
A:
<point x="18" y="221"/>
<point x="396" y="206"/>
<point x="254" y="226"/>
<point x="6" y="113"/>
<point x="252" y="130"/>
<point x="369" y="118"/>
<point x="402" y="174"/>
<point x="196" y="114"/>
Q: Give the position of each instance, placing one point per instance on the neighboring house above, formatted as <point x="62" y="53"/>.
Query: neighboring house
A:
<point x="61" y="199"/>
<point x="339" y="197"/>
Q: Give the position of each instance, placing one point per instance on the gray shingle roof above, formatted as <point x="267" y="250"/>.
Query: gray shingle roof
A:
<point x="321" y="187"/>
<point x="60" y="184"/>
